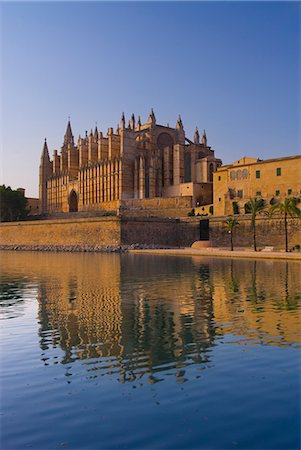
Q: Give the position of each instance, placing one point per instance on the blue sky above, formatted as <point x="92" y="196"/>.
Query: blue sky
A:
<point x="229" y="67"/>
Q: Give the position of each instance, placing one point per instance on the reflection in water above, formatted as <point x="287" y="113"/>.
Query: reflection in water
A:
<point x="141" y="351"/>
<point x="255" y="301"/>
<point x="13" y="293"/>
<point x="133" y="315"/>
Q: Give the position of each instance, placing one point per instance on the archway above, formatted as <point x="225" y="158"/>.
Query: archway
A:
<point x="73" y="202"/>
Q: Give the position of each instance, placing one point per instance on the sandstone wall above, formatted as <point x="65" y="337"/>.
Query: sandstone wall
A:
<point x="101" y="206"/>
<point x="269" y="232"/>
<point x="158" y="202"/>
<point x="157" y="207"/>
<point x="101" y="231"/>
<point x="148" y="231"/>
<point x="160" y="231"/>
<point x="69" y="232"/>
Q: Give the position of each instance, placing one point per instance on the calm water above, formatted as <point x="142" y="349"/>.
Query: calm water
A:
<point x="139" y="351"/>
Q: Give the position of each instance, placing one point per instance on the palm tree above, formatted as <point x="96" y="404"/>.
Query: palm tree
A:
<point x="255" y="206"/>
<point x="288" y="207"/>
<point x="231" y="224"/>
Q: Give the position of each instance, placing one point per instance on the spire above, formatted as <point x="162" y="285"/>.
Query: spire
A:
<point x="95" y="131"/>
<point x="139" y="123"/>
<point x="117" y="129"/>
<point x="45" y="152"/>
<point x="133" y="124"/>
<point x="151" y="117"/>
<point x="122" y="123"/>
<point x="196" y="136"/>
<point x="179" y="124"/>
<point x="129" y="125"/>
<point x="45" y="173"/>
<point x="68" y="138"/>
<point x="204" y="138"/>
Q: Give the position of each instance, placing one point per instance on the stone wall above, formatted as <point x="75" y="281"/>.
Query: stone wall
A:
<point x="102" y="206"/>
<point x="145" y="231"/>
<point x="68" y="232"/>
<point x="160" y="231"/>
<point x="269" y="232"/>
<point x="101" y="232"/>
<point x="158" y="203"/>
<point x="157" y="207"/>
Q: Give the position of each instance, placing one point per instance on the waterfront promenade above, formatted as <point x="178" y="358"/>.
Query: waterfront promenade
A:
<point x="222" y="253"/>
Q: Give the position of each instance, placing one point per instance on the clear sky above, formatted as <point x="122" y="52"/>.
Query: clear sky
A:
<point x="232" y="68"/>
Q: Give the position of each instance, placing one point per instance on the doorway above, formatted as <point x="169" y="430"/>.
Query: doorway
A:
<point x="73" y="202"/>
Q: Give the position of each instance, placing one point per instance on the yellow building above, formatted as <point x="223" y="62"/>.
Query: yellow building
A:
<point x="249" y="177"/>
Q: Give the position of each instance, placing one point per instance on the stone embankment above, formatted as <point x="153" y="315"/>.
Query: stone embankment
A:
<point x="79" y="248"/>
<point x="220" y="253"/>
<point x="99" y="233"/>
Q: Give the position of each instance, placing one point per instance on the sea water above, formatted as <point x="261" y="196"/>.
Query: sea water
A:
<point x="107" y="351"/>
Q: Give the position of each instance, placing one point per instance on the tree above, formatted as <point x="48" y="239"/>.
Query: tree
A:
<point x="231" y="224"/>
<point x="13" y="205"/>
<point x="288" y="207"/>
<point x="253" y="207"/>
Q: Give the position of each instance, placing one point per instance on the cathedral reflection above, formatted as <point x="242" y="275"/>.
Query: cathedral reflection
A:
<point x="135" y="315"/>
<point x="126" y="314"/>
<point x="167" y="316"/>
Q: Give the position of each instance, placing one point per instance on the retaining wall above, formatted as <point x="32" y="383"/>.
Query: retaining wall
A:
<point x="67" y="232"/>
<point x="100" y="231"/>
<point x="160" y="231"/>
<point x="269" y="232"/>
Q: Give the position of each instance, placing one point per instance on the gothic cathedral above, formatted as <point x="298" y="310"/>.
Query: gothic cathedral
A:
<point x="138" y="161"/>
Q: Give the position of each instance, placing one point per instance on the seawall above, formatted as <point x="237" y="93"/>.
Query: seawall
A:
<point x="98" y="233"/>
<point x="115" y="233"/>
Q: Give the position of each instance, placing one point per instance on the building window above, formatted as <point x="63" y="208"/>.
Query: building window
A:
<point x="258" y="193"/>
<point x="232" y="193"/>
<point x="257" y="173"/>
<point x="219" y="178"/>
<point x="289" y="191"/>
<point x="219" y="199"/>
<point x="278" y="171"/>
<point x="240" y="193"/>
<point x="277" y="193"/>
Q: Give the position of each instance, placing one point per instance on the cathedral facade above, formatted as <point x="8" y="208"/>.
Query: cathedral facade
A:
<point x="137" y="161"/>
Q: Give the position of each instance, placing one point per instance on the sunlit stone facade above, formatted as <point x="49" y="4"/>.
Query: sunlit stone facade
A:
<point x="249" y="177"/>
<point x="138" y="161"/>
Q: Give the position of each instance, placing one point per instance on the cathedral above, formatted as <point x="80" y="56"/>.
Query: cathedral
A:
<point x="136" y="161"/>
